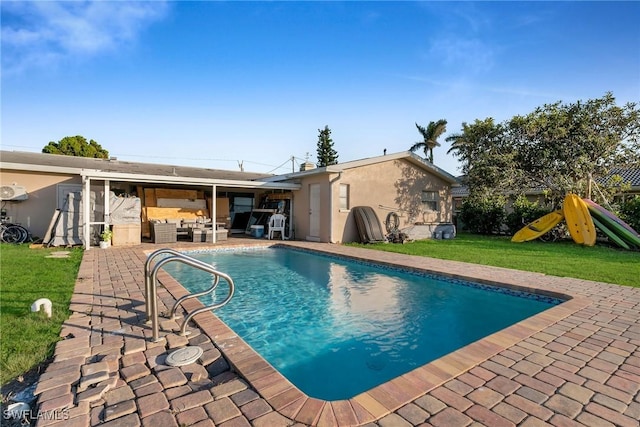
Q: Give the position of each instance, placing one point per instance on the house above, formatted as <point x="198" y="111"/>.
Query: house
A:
<point x="317" y="200"/>
<point x="418" y="191"/>
<point x="47" y="179"/>
<point x="630" y="176"/>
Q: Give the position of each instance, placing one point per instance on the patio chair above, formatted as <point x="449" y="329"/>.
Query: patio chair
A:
<point x="276" y="223"/>
<point x="164" y="232"/>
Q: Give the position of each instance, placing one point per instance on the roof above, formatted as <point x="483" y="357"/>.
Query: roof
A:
<point x="53" y="162"/>
<point x="403" y="155"/>
<point x="117" y="169"/>
<point x="460" y="191"/>
<point x="629" y="176"/>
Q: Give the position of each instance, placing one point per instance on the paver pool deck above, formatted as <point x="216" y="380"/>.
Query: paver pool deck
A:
<point x="575" y="364"/>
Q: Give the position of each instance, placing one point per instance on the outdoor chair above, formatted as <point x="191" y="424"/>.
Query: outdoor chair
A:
<point x="276" y="223"/>
<point x="164" y="232"/>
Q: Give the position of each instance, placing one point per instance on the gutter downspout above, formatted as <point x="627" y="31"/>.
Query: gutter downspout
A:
<point x="331" y="205"/>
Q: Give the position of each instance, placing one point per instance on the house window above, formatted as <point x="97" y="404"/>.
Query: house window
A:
<point x="430" y="200"/>
<point x="344" y="196"/>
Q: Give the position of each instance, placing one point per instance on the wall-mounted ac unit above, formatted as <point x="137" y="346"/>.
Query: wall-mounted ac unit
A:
<point x="13" y="192"/>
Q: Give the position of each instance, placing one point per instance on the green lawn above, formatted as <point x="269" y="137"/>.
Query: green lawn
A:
<point x="599" y="263"/>
<point x="28" y="339"/>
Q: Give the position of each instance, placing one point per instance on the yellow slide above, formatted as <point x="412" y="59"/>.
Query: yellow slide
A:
<point x="579" y="221"/>
<point x="538" y="227"/>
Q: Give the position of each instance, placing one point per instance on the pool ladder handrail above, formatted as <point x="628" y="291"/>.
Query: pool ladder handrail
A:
<point x="151" y="289"/>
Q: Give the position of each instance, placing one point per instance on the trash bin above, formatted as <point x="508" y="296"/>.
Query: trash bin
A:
<point x="257" y="231"/>
<point x="437" y="235"/>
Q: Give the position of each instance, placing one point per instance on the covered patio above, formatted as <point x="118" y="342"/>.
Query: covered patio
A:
<point x="93" y="179"/>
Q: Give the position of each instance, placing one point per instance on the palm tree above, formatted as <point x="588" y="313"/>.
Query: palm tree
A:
<point x="476" y="139"/>
<point x="459" y="144"/>
<point x="430" y="134"/>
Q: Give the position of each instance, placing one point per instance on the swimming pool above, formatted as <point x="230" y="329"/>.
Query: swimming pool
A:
<point x="336" y="327"/>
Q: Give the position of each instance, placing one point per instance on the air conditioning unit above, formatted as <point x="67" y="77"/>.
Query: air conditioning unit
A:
<point x="13" y="192"/>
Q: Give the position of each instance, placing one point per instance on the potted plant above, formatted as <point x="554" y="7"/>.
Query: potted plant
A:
<point x="105" y="238"/>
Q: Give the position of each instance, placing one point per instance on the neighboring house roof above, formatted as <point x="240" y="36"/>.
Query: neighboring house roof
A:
<point x="629" y="176"/>
<point x="404" y="155"/>
<point x="56" y="163"/>
<point x="460" y="191"/>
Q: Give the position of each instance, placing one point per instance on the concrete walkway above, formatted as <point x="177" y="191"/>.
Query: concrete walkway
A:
<point x="575" y="364"/>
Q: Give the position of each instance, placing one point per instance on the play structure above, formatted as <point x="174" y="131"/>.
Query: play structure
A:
<point x="582" y="217"/>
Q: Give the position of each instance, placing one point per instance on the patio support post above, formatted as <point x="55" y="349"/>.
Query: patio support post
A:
<point x="214" y="213"/>
<point x="291" y="217"/>
<point x="86" y="220"/>
<point x="107" y="212"/>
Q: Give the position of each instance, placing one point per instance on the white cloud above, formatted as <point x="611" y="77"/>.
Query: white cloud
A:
<point x="38" y="34"/>
<point x="468" y="55"/>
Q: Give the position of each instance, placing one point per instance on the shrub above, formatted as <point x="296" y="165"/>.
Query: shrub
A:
<point x="524" y="212"/>
<point x="630" y="212"/>
<point x="483" y="215"/>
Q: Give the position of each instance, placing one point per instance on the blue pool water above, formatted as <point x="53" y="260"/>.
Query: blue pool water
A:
<point x="336" y="327"/>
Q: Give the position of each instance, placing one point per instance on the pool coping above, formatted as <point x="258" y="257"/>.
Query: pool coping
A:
<point x="386" y="398"/>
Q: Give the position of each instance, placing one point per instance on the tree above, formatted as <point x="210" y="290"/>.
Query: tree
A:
<point x="561" y="147"/>
<point x="76" y="146"/>
<point x="430" y="134"/>
<point x="487" y="161"/>
<point x="557" y="148"/>
<point x="326" y="154"/>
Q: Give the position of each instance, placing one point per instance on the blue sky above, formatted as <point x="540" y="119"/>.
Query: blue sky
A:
<point x="212" y="84"/>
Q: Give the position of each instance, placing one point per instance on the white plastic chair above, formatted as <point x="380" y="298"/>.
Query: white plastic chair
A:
<point x="276" y="223"/>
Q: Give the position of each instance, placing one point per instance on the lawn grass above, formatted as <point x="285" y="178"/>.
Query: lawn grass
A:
<point x="28" y="339"/>
<point x="565" y="259"/>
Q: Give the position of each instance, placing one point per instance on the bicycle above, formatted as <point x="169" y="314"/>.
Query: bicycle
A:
<point x="13" y="233"/>
<point x="557" y="233"/>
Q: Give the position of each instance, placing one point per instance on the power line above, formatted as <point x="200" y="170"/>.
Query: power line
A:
<point x="146" y="156"/>
<point x="282" y="165"/>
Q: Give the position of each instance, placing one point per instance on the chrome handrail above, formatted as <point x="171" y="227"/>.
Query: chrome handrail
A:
<point x="218" y="275"/>
<point x="147" y="277"/>
<point x="152" y="291"/>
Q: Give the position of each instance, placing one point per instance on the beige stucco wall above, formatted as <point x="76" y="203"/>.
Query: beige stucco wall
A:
<point x="301" y="208"/>
<point x="396" y="185"/>
<point x="36" y="212"/>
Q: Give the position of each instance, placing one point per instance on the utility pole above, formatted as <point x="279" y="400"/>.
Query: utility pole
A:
<point x="293" y="164"/>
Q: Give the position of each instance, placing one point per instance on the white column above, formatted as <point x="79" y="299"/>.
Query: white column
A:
<point x="86" y="217"/>
<point x="214" y="212"/>
<point x="107" y="208"/>
<point x="291" y="217"/>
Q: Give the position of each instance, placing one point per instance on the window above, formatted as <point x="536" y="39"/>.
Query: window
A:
<point x="344" y="196"/>
<point x="430" y="200"/>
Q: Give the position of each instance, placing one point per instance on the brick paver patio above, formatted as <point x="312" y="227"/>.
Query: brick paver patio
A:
<point x="575" y="364"/>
